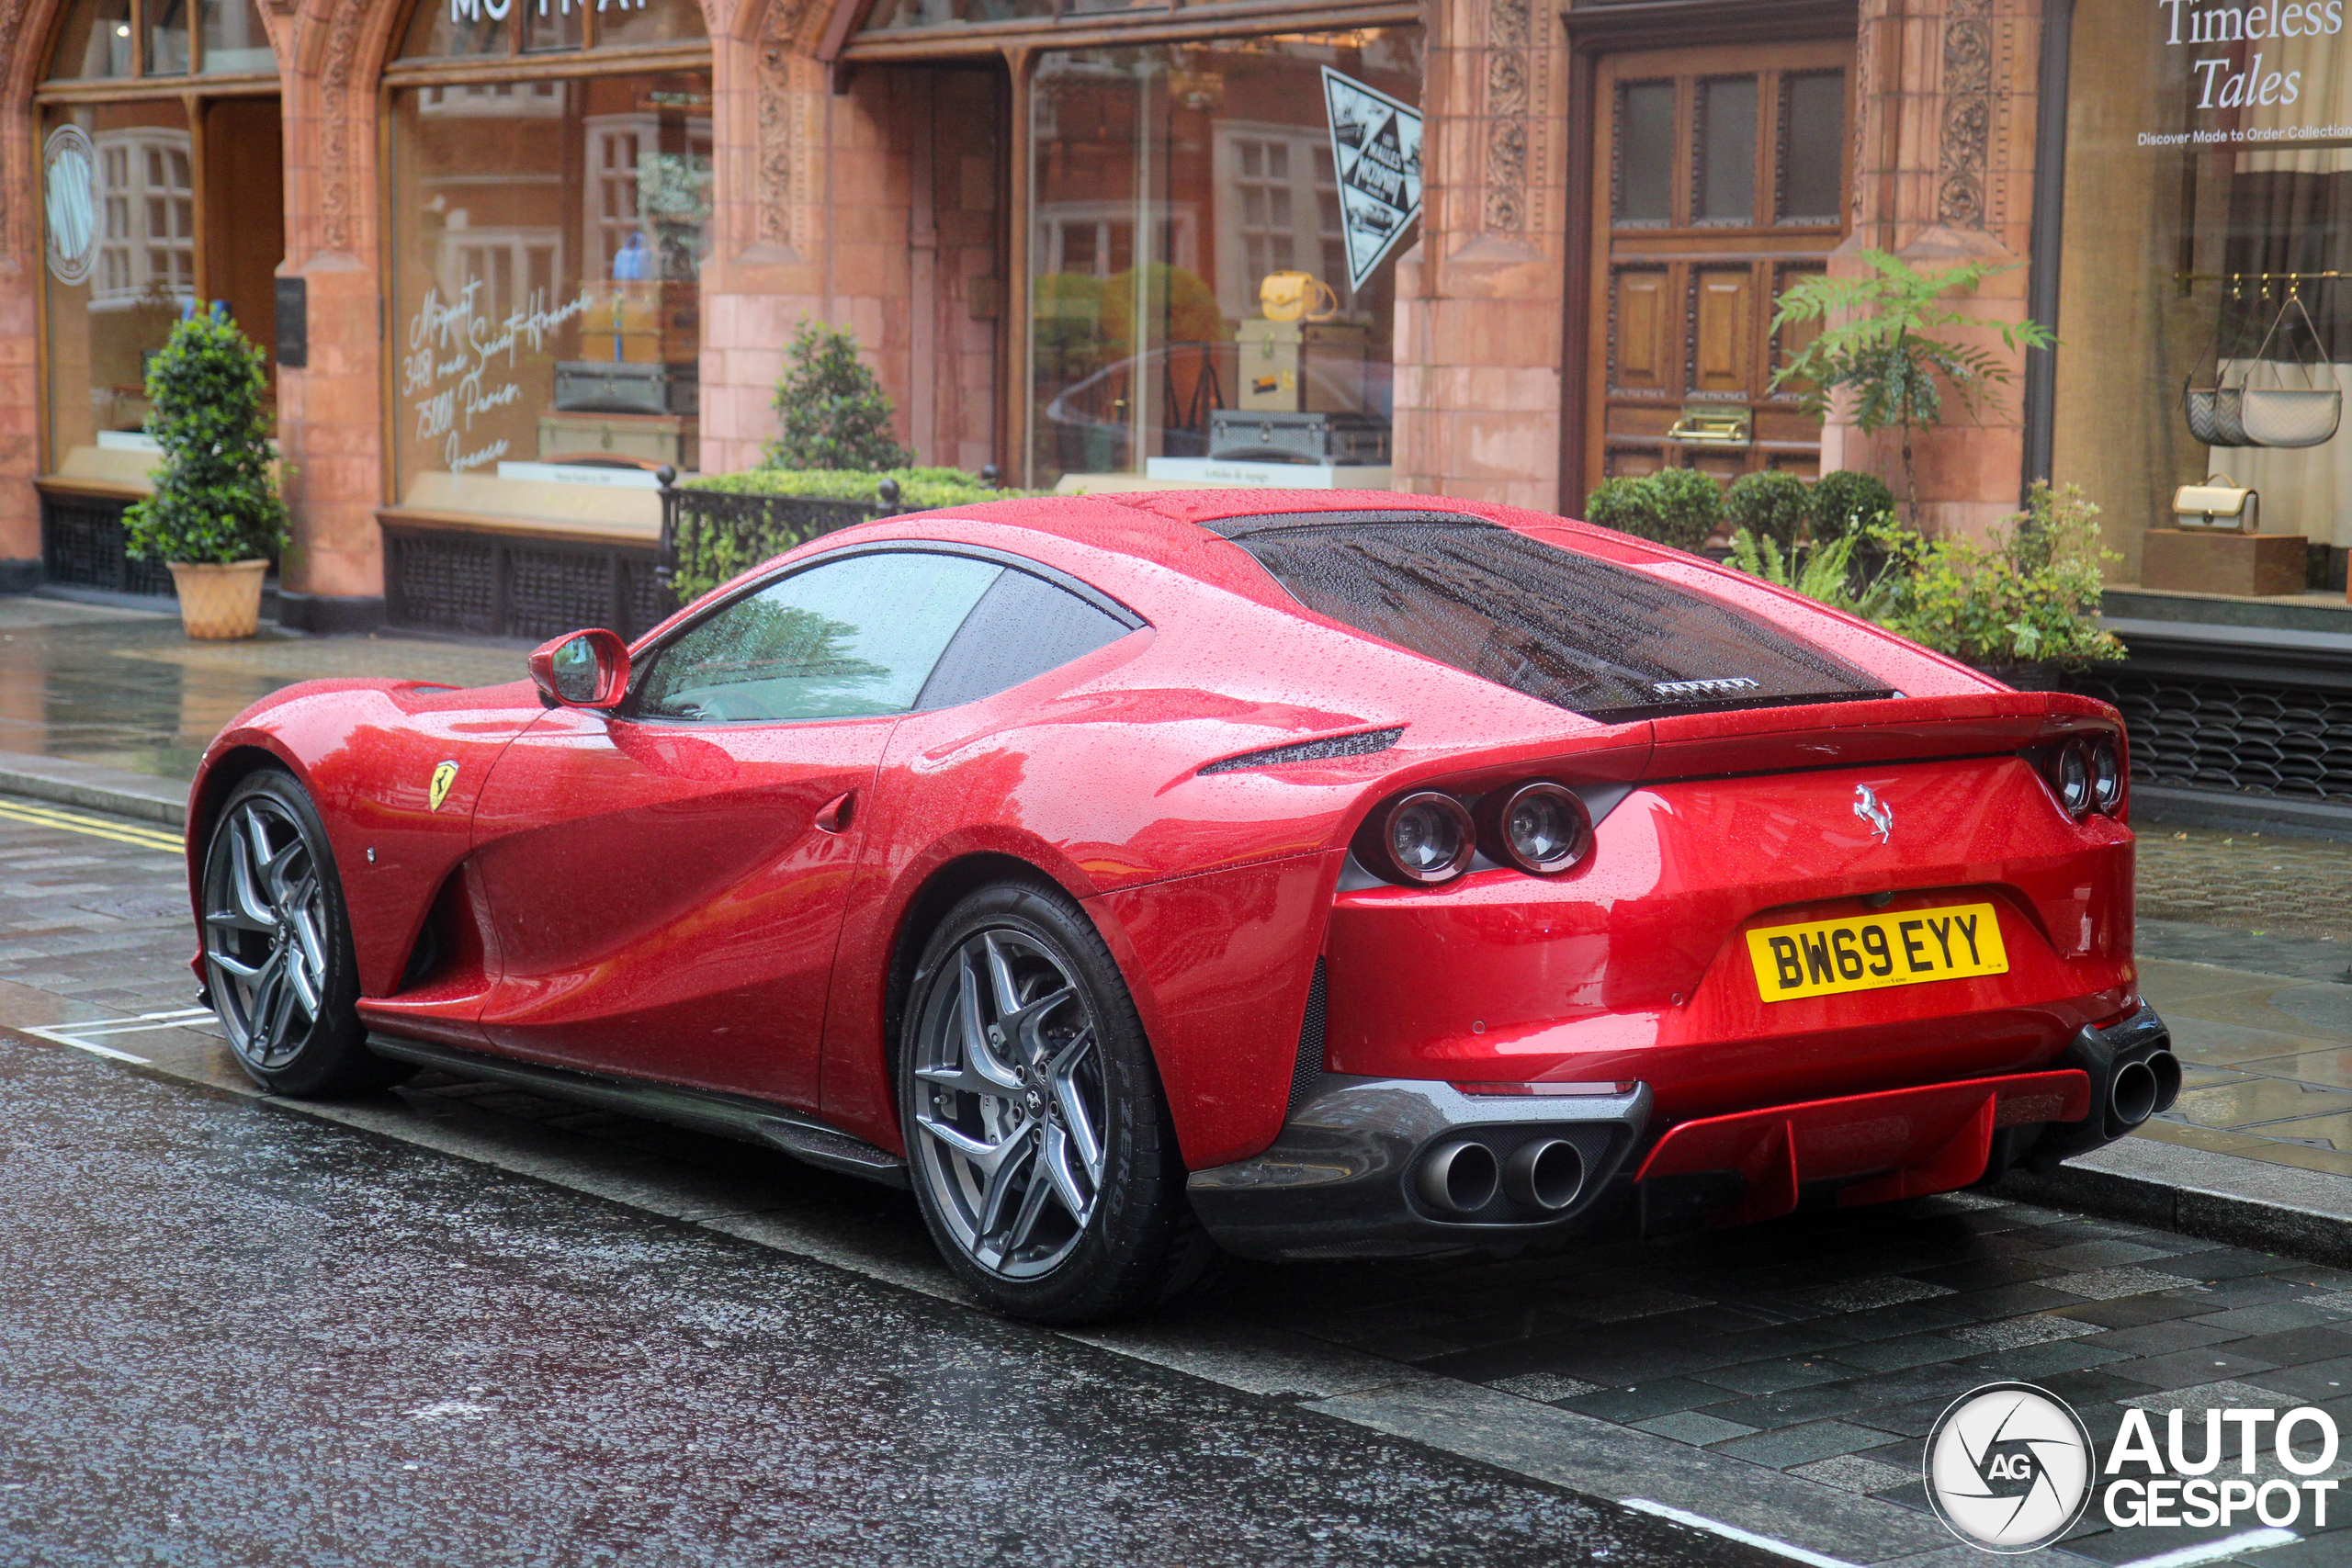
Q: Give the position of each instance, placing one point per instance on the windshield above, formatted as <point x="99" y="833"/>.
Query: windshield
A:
<point x="1582" y="634"/>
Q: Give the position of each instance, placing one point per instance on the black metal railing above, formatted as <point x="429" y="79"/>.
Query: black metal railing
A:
<point x="709" y="536"/>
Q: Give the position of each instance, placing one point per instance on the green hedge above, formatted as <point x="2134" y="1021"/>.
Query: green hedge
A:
<point x="920" y="489"/>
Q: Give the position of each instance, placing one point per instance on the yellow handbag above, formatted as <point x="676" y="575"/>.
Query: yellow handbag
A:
<point x="1297" y="295"/>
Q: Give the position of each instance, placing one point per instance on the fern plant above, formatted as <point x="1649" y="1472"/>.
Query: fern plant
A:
<point x="1880" y="340"/>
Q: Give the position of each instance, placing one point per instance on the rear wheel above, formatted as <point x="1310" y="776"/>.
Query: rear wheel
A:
<point x="1041" y="1148"/>
<point x="277" y="952"/>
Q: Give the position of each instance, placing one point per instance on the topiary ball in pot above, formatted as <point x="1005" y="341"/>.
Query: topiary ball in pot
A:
<point x="1846" y="500"/>
<point x="216" y="517"/>
<point x="1692" y="504"/>
<point x="1771" y="504"/>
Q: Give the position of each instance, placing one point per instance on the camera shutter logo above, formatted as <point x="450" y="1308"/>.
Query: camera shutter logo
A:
<point x="2009" y="1467"/>
<point x="69" y="167"/>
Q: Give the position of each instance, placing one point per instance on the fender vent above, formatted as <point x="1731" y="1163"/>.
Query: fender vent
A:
<point x="1360" y="745"/>
<point x="1307" y="1076"/>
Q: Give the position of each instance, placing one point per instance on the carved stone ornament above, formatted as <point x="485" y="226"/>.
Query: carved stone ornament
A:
<point x="1510" y="93"/>
<point x="1968" y="115"/>
<point x="335" y="177"/>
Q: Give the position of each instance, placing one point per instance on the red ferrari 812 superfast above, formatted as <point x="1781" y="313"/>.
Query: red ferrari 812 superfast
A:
<point x="1291" y="875"/>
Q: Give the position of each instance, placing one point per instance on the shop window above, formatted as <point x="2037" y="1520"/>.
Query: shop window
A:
<point x="120" y="207"/>
<point x="2206" y="243"/>
<point x="1207" y="286"/>
<point x="548" y="238"/>
<point x="890" y="15"/>
<point x="104" y="39"/>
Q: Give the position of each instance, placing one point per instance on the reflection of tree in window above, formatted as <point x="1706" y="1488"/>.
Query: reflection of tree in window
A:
<point x="760" y="641"/>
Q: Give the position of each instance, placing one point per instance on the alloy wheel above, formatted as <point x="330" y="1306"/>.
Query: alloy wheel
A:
<point x="265" y="931"/>
<point x="1009" y="1104"/>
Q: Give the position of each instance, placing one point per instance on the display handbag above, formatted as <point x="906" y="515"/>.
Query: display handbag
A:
<point x="2307" y="415"/>
<point x="2216" y="410"/>
<point x="2218" y="505"/>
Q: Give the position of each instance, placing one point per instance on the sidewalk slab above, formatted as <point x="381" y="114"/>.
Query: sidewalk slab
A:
<point x="2245" y="1202"/>
<point x="61" y="781"/>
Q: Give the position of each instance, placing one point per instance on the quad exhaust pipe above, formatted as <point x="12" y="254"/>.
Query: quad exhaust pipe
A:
<point x="1462" y="1176"/>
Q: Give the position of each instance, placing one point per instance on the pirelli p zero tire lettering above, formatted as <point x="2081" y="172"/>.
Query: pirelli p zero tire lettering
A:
<point x="277" y="951"/>
<point x="1042" y="1152"/>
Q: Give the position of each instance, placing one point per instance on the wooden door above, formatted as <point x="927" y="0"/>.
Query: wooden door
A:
<point x="1720" y="179"/>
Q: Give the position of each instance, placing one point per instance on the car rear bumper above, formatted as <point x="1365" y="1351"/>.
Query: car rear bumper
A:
<point x="1398" y="1167"/>
<point x="1351" y="1173"/>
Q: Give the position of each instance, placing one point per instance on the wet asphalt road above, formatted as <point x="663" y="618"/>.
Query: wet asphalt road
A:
<point x="230" y="1334"/>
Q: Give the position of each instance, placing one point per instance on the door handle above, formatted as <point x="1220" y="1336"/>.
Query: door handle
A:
<point x="834" y="814"/>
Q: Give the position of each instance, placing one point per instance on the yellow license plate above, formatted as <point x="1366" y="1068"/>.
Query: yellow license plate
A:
<point x="1901" y="947"/>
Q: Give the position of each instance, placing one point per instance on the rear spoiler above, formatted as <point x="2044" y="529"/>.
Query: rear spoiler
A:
<point x="1900" y="729"/>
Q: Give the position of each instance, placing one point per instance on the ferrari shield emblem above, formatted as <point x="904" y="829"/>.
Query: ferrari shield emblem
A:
<point x="443" y="777"/>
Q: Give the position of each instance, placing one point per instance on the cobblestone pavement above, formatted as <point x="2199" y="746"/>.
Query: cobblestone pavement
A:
<point x="1820" y="1347"/>
<point x="2255" y="882"/>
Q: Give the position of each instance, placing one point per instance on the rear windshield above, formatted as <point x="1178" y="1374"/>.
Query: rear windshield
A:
<point x="1588" y="636"/>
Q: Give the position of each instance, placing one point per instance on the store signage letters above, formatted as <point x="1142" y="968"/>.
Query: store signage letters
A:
<point x="2218" y="86"/>
<point x="451" y="349"/>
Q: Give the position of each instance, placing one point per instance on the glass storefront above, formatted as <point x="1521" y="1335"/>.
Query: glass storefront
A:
<point x="1214" y="246"/>
<point x="2206" y="315"/>
<point x="548" y="235"/>
<point x="151" y="201"/>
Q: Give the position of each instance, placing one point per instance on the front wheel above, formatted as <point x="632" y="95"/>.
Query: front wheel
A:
<point x="1043" y="1156"/>
<point x="277" y="952"/>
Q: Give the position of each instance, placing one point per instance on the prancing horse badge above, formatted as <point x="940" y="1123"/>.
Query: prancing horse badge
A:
<point x="443" y="777"/>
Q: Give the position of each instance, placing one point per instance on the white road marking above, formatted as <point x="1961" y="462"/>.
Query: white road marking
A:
<point x="59" y="1036"/>
<point x="2215" y="1551"/>
<point x="85" y="1036"/>
<point x="1732" y="1532"/>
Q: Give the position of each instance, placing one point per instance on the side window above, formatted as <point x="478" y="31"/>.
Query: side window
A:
<point x="841" y="641"/>
<point x="1022" y="627"/>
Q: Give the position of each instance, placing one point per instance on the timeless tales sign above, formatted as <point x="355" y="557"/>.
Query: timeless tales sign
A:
<point x="2253" y="67"/>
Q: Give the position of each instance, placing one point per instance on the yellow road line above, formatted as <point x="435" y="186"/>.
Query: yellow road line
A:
<point x="95" y="826"/>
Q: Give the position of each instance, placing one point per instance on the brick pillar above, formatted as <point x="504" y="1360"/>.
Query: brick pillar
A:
<point x="331" y="411"/>
<point x="23" y="34"/>
<point x="1479" y="297"/>
<point x="1946" y="93"/>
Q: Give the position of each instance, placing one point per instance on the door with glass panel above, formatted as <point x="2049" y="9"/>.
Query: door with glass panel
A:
<point x="1720" y="180"/>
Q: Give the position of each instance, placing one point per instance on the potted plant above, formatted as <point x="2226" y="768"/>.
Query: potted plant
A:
<point x="216" y="517"/>
<point x="2021" y="605"/>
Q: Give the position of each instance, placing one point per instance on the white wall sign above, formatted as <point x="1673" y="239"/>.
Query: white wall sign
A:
<point x="1377" y="150"/>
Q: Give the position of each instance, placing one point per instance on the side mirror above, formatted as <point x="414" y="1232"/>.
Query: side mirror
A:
<point x="582" y="670"/>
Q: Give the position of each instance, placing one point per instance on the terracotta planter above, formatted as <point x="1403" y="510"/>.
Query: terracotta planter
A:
<point x="218" y="602"/>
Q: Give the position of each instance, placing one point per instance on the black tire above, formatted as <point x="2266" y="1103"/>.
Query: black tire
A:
<point x="1138" y="1244"/>
<point x="277" y="954"/>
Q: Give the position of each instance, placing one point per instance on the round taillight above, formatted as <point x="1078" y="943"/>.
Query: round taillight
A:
<point x="2072" y="778"/>
<point x="1540" y="828"/>
<point x="2107" y="776"/>
<point x="1423" y="838"/>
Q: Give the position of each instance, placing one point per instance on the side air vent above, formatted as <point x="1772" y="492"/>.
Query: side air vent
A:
<point x="1360" y="745"/>
<point x="1307" y="1076"/>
